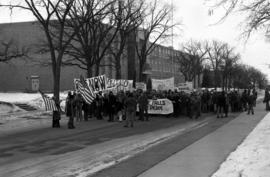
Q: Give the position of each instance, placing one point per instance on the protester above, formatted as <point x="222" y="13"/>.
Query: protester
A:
<point x="86" y="110"/>
<point x="121" y="112"/>
<point x="221" y="103"/>
<point x="98" y="106"/>
<point x="251" y="99"/>
<point x="56" y="115"/>
<point x="244" y="100"/>
<point x="111" y="106"/>
<point x="69" y="110"/>
<point x="78" y="104"/>
<point x="195" y="106"/>
<point x="130" y="105"/>
<point x="143" y="107"/>
<point x="266" y="99"/>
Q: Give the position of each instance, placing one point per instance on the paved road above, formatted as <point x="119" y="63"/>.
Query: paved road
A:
<point x="24" y="150"/>
<point x="59" y="143"/>
<point x="193" y="154"/>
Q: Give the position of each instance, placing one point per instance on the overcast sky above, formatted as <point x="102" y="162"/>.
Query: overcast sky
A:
<point x="197" y="24"/>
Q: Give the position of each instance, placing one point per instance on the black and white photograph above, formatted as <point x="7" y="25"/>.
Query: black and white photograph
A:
<point x="134" y="88"/>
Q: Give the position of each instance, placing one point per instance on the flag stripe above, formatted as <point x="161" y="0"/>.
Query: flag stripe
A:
<point x="87" y="93"/>
<point x="49" y="103"/>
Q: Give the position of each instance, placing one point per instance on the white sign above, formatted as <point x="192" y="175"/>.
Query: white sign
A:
<point x="141" y="86"/>
<point x="97" y="83"/>
<point x="159" y="106"/>
<point x="186" y="86"/>
<point x="102" y="83"/>
<point x="119" y="84"/>
<point x="163" y="84"/>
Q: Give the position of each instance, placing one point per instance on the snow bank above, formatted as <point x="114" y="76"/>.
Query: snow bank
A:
<point x="32" y="99"/>
<point x="252" y="157"/>
<point x="8" y="108"/>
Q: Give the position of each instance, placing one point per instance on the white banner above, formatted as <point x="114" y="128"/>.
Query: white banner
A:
<point x="159" y="106"/>
<point x="97" y="83"/>
<point x="141" y="85"/>
<point x="120" y="84"/>
<point x="163" y="84"/>
<point x="186" y="86"/>
<point x="102" y="83"/>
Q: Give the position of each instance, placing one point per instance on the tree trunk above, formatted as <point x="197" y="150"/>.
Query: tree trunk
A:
<point x="56" y="91"/>
<point x="118" y="69"/>
<point x="141" y="72"/>
<point x="199" y="80"/>
<point x="97" y="69"/>
<point x="89" y="70"/>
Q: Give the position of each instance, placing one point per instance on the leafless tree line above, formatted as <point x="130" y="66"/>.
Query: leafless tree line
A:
<point x="220" y="59"/>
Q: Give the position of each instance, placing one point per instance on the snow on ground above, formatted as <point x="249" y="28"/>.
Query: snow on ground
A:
<point x="7" y="108"/>
<point x="13" y="119"/>
<point x="32" y="99"/>
<point x="252" y="157"/>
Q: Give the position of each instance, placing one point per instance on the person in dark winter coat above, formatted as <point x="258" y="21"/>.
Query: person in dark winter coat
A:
<point x="79" y="104"/>
<point x="143" y="107"/>
<point x="98" y="103"/>
<point x="244" y="100"/>
<point x="221" y="103"/>
<point x="251" y="99"/>
<point x="69" y="110"/>
<point x="266" y="99"/>
<point x="131" y="105"/>
<point x="111" y="106"/>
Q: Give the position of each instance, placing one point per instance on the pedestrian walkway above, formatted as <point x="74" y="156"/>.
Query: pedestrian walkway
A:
<point x="202" y="158"/>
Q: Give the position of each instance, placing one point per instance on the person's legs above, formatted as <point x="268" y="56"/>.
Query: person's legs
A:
<point x="132" y="114"/>
<point x="218" y="111"/>
<point x="128" y="117"/>
<point x="141" y="117"/>
<point x="146" y="114"/>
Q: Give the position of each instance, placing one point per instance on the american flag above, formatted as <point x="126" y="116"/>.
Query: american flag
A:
<point x="87" y="93"/>
<point x="49" y="102"/>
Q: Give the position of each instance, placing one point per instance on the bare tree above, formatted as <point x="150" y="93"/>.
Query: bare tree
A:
<point x="197" y="54"/>
<point x="52" y="17"/>
<point x="256" y="11"/>
<point x="129" y="18"/>
<point x="248" y="77"/>
<point x="215" y="52"/>
<point x="97" y="30"/>
<point x="155" y="27"/>
<point x="230" y="61"/>
<point x="9" y="50"/>
<point x="186" y="63"/>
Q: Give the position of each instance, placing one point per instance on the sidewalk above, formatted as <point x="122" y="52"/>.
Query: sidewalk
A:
<point x="203" y="158"/>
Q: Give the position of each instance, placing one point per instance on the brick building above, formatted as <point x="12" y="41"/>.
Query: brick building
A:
<point x="16" y="75"/>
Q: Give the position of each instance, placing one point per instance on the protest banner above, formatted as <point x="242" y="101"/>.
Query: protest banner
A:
<point x="141" y="86"/>
<point x="159" y="106"/>
<point x="102" y="83"/>
<point x="186" y="86"/>
<point x="163" y="84"/>
<point x="97" y="83"/>
<point x="119" y="84"/>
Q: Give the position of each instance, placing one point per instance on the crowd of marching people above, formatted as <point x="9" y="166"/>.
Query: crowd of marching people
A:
<point x="123" y="105"/>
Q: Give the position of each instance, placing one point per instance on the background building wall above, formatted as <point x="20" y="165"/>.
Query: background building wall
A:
<point x="15" y="75"/>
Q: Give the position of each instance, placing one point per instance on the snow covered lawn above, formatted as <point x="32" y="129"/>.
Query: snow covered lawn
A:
<point x="14" y="120"/>
<point x="32" y="99"/>
<point x="252" y="157"/>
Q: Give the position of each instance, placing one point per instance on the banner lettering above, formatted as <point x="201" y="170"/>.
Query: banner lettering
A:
<point x="159" y="106"/>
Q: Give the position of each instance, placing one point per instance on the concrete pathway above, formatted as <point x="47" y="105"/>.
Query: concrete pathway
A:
<point x="202" y="158"/>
